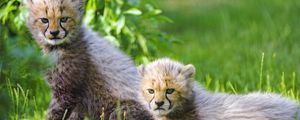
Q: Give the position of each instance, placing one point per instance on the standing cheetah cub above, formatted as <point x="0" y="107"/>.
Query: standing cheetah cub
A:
<point x="170" y="93"/>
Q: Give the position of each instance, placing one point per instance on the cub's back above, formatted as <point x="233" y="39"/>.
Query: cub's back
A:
<point x="253" y="106"/>
<point x="114" y="67"/>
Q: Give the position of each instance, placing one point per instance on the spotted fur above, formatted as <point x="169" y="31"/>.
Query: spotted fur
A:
<point x="90" y="75"/>
<point x="191" y="102"/>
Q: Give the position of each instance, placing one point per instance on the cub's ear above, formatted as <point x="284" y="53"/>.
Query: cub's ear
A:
<point x="141" y="69"/>
<point x="188" y="71"/>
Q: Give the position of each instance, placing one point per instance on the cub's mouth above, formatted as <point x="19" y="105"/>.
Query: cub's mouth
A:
<point x="56" y="41"/>
<point x="55" y="38"/>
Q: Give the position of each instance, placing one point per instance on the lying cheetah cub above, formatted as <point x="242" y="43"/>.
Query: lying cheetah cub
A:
<point x="170" y="93"/>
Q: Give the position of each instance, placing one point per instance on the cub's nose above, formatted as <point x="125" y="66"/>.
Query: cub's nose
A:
<point x="159" y="103"/>
<point x="54" y="33"/>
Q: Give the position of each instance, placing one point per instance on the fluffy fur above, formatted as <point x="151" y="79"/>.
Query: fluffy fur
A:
<point x="189" y="101"/>
<point x="90" y="74"/>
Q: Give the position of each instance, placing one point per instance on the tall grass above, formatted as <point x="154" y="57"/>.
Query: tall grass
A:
<point x="23" y="107"/>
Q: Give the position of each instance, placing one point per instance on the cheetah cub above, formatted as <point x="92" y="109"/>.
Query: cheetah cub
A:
<point x="90" y="76"/>
<point x="170" y="93"/>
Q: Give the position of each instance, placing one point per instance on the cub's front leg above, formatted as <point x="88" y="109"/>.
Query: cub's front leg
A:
<point x="66" y="83"/>
<point x="77" y="113"/>
<point x="61" y="106"/>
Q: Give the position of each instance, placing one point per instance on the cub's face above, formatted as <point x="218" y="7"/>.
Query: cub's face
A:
<point x="53" y="22"/>
<point x="162" y="95"/>
<point x="164" y="91"/>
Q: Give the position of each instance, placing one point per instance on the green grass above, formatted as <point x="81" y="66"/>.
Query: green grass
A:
<point x="237" y="46"/>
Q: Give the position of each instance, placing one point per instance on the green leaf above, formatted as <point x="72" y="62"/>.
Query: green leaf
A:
<point x="145" y="59"/>
<point x="130" y="34"/>
<point x="157" y="11"/>
<point x="113" y="40"/>
<point x="133" y="11"/>
<point x="142" y="43"/>
<point x="88" y="19"/>
<point x="106" y="27"/>
<point x="120" y="24"/>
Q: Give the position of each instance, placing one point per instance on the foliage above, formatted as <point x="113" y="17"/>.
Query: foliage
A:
<point x="131" y="25"/>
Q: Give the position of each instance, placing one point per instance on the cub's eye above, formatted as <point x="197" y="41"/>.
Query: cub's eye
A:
<point x="150" y="91"/>
<point x="44" y="20"/>
<point x="170" y="91"/>
<point x="64" y="19"/>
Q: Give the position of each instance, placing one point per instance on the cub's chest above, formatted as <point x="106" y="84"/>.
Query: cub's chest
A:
<point x="53" y="56"/>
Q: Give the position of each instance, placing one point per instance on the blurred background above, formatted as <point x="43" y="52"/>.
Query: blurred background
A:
<point x="237" y="46"/>
<point x="245" y="42"/>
